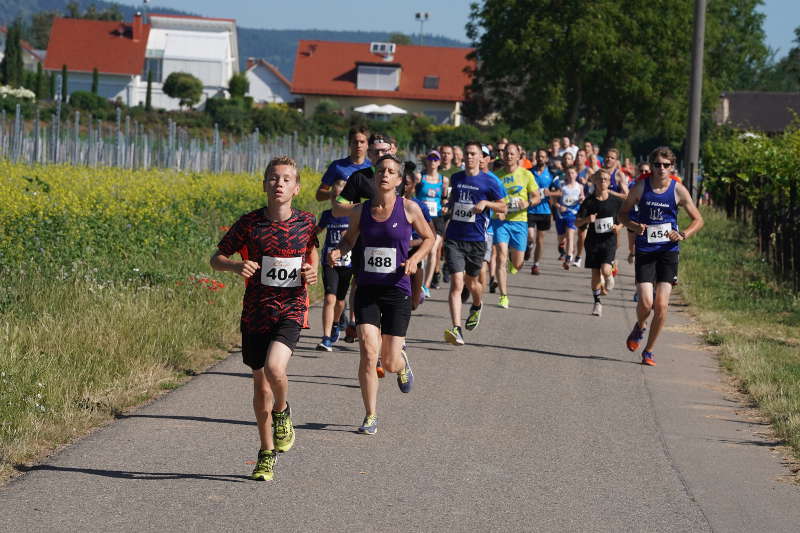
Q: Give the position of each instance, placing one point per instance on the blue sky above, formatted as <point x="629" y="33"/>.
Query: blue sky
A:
<point x="447" y="17"/>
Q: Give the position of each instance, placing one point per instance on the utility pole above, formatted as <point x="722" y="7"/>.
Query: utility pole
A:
<point x="696" y="98"/>
<point x="421" y="17"/>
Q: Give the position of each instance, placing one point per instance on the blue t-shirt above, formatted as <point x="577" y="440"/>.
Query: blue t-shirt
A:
<point x="336" y="226"/>
<point x="425" y="213"/>
<point x="341" y="169"/>
<point x="467" y="191"/>
<point x="545" y="181"/>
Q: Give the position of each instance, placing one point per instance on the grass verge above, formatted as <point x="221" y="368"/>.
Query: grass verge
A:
<point x="750" y="315"/>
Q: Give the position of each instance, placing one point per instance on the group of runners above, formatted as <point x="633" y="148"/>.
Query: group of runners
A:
<point x="469" y="216"/>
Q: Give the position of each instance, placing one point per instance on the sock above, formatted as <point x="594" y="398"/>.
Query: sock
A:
<point x="596" y="294"/>
<point x="475" y="307"/>
<point x="561" y="250"/>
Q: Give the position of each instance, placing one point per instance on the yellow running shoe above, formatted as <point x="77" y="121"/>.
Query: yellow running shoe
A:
<point x="264" y="466"/>
<point x="503" y="302"/>
<point x="282" y="430"/>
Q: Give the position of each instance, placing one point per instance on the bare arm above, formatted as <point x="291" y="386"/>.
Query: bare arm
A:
<point x="223" y="263"/>
<point x="349" y="237"/>
<point x="624" y="212"/>
<point x="323" y="193"/>
<point x="685" y="200"/>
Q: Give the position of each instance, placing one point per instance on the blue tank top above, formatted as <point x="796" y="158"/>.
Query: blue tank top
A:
<point x="384" y="248"/>
<point x="660" y="213"/>
<point x="431" y="195"/>
<point x="614" y="185"/>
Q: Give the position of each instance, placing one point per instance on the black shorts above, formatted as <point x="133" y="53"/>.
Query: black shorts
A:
<point x="464" y="256"/>
<point x="336" y="280"/>
<point x="255" y="345"/>
<point x="540" y="222"/>
<point x="438" y="225"/>
<point x="600" y="252"/>
<point x="657" y="267"/>
<point x="387" y="307"/>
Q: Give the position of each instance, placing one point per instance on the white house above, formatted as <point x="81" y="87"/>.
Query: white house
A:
<point x="124" y="53"/>
<point x="267" y="84"/>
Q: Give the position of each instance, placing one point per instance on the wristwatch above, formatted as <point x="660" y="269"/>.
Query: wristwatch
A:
<point x="683" y="235"/>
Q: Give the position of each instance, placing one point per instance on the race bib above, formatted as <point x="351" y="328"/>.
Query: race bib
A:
<point x="433" y="208"/>
<point x="463" y="212"/>
<point x="343" y="261"/>
<point x="658" y="233"/>
<point x="513" y="204"/>
<point x="603" y="225"/>
<point x="380" y="260"/>
<point x="281" y="271"/>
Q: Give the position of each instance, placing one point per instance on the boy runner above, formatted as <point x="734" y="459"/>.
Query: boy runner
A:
<point x="511" y="230"/>
<point x="599" y="211"/>
<point x="657" y="244"/>
<point x="570" y="196"/>
<point x="335" y="279"/>
<point x="341" y="169"/>
<point x="280" y="242"/>
<point x="382" y="303"/>
<point x="473" y="193"/>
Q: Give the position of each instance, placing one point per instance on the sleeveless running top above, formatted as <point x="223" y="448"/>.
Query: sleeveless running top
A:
<point x="384" y="247"/>
<point x="660" y="213"/>
<point x="431" y="195"/>
<point x="615" y="185"/>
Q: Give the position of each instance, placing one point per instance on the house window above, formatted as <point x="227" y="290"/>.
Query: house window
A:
<point x="374" y="78"/>
<point x="156" y="66"/>
<point x="431" y="82"/>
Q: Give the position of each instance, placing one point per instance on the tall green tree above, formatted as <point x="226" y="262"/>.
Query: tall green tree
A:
<point x="64" y="83"/>
<point x="148" y="97"/>
<point x="238" y="85"/>
<point x="38" y="32"/>
<point x="11" y="67"/>
<point x="41" y="83"/>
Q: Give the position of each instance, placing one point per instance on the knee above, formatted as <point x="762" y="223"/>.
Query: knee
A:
<point x="660" y="308"/>
<point x="275" y="373"/>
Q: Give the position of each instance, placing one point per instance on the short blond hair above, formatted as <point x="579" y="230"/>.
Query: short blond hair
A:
<point x="279" y="161"/>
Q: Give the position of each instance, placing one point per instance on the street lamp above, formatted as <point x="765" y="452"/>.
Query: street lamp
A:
<point x="421" y="17"/>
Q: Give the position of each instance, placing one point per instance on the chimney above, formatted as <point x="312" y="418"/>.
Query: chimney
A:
<point x="138" y="27"/>
<point x="250" y="62"/>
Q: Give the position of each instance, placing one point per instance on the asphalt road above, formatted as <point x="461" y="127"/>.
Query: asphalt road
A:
<point x="542" y="422"/>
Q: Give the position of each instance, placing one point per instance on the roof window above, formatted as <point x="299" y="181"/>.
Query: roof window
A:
<point x="430" y="82"/>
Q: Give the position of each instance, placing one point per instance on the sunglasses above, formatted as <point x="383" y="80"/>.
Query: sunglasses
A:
<point x="433" y="158"/>
<point x="662" y="165"/>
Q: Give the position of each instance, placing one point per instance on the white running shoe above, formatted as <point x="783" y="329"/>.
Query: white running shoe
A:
<point x="577" y="262"/>
<point x="597" y="310"/>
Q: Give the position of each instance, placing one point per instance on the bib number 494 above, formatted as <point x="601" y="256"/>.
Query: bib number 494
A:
<point x="281" y="271"/>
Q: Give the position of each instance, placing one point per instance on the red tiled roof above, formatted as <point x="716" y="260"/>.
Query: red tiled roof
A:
<point x="330" y="68"/>
<point x="252" y="62"/>
<point x="83" y="45"/>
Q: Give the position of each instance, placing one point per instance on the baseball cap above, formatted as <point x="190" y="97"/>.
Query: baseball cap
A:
<point x="434" y="153"/>
<point x="485" y="150"/>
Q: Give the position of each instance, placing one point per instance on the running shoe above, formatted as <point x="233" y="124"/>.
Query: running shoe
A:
<point x="379" y="369"/>
<point x="614" y="269"/>
<point x="464" y="295"/>
<point x="325" y="345"/>
<point x="636" y="336"/>
<point x="335" y="331"/>
<point x="631" y="258"/>
<point x="503" y="301"/>
<point x="405" y="378"/>
<point x="610" y="282"/>
<point x="446" y="277"/>
<point x="597" y="310"/>
<point x="528" y="251"/>
<point x="350" y="333"/>
<point x="648" y="359"/>
<point x="283" y="430"/>
<point x="511" y="268"/>
<point x="535" y="270"/>
<point x="474" y="317"/>
<point x="426" y="291"/>
<point x="565" y="264"/>
<point x="435" y="280"/>
<point x="369" y="426"/>
<point x="577" y="262"/>
<point x="264" y="466"/>
<point x="453" y="336"/>
<point x="492" y="285"/>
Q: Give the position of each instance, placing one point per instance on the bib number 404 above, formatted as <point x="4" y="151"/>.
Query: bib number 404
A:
<point x="281" y="271"/>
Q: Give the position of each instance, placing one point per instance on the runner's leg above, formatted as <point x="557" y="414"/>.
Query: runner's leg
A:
<point x="369" y="343"/>
<point x="660" y="307"/>
<point x="263" y="401"/>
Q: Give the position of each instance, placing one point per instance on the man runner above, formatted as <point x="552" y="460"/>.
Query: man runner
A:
<point x="341" y="169"/>
<point x="539" y="214"/>
<point x="473" y="192"/>
<point x="281" y="243"/>
<point x="657" y="244"/>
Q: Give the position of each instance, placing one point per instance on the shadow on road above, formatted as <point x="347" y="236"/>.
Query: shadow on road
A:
<point x="126" y="474"/>
<point x="192" y="419"/>
<point x="556" y="354"/>
<point x="319" y="426"/>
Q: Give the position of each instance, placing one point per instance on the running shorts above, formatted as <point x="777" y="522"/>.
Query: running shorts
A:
<point x="464" y="256"/>
<point x="563" y="224"/>
<point x="336" y="280"/>
<point x="600" y="252"/>
<point x="539" y="221"/>
<point x="384" y="306"/>
<point x="515" y="234"/>
<point x="256" y="345"/>
<point x="657" y="267"/>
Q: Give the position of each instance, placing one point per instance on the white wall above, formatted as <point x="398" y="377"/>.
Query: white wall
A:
<point x="266" y="87"/>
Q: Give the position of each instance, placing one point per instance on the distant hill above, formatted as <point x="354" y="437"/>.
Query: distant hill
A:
<point x="276" y="46"/>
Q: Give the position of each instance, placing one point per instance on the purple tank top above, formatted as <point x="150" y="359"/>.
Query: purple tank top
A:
<point x="385" y="247"/>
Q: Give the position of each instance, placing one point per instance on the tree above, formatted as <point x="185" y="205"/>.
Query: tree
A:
<point x="51" y="81"/>
<point x="185" y="87"/>
<point x="41" y="83"/>
<point x="238" y="85"/>
<point x="64" y="83"/>
<point x="399" y="38"/>
<point x="38" y="33"/>
<point x="11" y="67"/>
<point x="95" y="81"/>
<point x="148" y="98"/>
